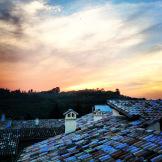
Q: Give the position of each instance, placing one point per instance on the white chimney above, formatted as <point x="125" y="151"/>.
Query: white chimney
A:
<point x="97" y="115"/>
<point x="36" y="121"/>
<point x="70" y="121"/>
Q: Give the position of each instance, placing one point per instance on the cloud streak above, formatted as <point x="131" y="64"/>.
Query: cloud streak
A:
<point x="98" y="45"/>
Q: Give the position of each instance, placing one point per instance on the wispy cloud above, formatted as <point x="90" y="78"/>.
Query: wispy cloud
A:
<point x="97" y="45"/>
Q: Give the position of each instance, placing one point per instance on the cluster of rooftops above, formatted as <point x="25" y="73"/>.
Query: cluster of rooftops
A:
<point x="122" y="130"/>
<point x="12" y="134"/>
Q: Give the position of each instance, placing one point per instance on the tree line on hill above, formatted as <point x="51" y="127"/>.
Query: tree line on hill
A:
<point x="53" y="103"/>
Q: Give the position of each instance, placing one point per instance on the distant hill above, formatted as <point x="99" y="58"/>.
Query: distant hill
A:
<point x="51" y="104"/>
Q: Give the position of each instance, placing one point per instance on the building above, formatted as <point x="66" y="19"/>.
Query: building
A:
<point x="103" y="108"/>
<point x="110" y="139"/>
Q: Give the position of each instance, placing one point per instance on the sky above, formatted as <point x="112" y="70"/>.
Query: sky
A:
<point x="78" y="44"/>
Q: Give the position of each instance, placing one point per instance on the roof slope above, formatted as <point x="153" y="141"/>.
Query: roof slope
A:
<point x="148" y="111"/>
<point x="110" y="139"/>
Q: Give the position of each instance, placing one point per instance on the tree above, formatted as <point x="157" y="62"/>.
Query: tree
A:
<point x="54" y="90"/>
<point x="117" y="92"/>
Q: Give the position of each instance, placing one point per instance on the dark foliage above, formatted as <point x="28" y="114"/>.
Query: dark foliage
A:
<point x="52" y="103"/>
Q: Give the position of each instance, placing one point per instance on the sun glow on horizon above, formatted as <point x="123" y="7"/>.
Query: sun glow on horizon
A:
<point x="83" y="46"/>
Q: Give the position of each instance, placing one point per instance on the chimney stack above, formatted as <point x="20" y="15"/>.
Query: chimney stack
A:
<point x="36" y="122"/>
<point x="70" y="121"/>
<point x="97" y="115"/>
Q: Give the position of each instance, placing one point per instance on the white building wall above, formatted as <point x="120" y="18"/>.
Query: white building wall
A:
<point x="115" y="113"/>
<point x="96" y="117"/>
<point x="70" y="125"/>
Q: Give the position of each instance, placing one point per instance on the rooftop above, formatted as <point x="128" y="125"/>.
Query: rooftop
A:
<point x="106" y="140"/>
<point x="147" y="111"/>
<point x="109" y="139"/>
<point x="27" y="130"/>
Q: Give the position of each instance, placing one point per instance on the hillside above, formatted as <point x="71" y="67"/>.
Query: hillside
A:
<point x="52" y="103"/>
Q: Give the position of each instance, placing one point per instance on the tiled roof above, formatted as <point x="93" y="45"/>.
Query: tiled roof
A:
<point x="146" y="110"/>
<point x="109" y="139"/>
<point x="43" y="123"/>
<point x="9" y="138"/>
<point x="8" y="144"/>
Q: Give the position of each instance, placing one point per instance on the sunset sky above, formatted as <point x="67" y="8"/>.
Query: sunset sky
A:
<point x="78" y="44"/>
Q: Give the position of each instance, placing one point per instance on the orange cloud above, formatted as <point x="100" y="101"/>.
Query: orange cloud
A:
<point x="97" y="46"/>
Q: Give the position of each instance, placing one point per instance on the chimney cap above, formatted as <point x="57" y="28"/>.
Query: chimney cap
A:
<point x="69" y="111"/>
